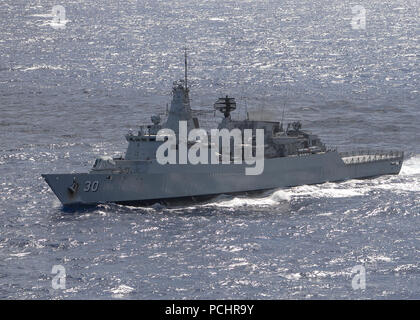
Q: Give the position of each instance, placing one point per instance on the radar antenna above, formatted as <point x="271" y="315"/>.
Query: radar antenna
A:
<point x="225" y="106"/>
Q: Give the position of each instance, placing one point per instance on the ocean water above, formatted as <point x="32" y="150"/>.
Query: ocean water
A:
<point x="69" y="95"/>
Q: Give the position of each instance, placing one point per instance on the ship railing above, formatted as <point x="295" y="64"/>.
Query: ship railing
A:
<point x="363" y="156"/>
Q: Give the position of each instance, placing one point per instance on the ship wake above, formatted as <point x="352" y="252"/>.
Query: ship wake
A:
<point x="407" y="181"/>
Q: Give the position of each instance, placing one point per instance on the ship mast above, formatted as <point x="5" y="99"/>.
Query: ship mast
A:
<point x="186" y="68"/>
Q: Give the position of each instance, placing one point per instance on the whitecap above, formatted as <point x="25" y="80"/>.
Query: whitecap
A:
<point x="20" y="254"/>
<point x="121" y="291"/>
<point x="42" y="66"/>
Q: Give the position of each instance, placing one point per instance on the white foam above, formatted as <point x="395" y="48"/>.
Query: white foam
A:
<point x="216" y="19"/>
<point x="281" y="195"/>
<point x="328" y="190"/>
<point x="292" y="276"/>
<point x="20" y="254"/>
<point x="372" y="259"/>
<point x="406" y="268"/>
<point x="411" y="166"/>
<point x="43" y="66"/>
<point x="408" y="179"/>
<point x="271" y="200"/>
<point x="42" y="15"/>
<point x="121" y="291"/>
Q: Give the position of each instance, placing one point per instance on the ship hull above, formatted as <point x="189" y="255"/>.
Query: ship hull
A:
<point x="160" y="183"/>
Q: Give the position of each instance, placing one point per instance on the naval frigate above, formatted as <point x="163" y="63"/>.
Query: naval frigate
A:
<point x="292" y="157"/>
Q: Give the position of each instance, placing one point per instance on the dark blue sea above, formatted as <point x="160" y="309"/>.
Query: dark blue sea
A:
<point x="69" y="95"/>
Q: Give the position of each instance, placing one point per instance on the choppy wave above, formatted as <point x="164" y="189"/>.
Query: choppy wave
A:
<point x="69" y="95"/>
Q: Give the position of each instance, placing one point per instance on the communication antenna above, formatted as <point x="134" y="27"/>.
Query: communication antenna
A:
<point x="282" y="116"/>
<point x="186" y="68"/>
<point x="244" y="98"/>
<point x="246" y="108"/>
<point x="284" y="108"/>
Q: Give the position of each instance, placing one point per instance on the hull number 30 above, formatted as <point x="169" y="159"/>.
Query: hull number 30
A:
<point x="91" y="186"/>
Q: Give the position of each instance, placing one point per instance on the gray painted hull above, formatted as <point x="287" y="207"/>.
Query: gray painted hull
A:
<point x="155" y="182"/>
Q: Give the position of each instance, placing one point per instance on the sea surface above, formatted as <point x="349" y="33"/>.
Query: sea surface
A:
<point x="69" y="95"/>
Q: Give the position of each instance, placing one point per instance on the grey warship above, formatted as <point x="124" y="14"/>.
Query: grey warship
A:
<point x="292" y="157"/>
